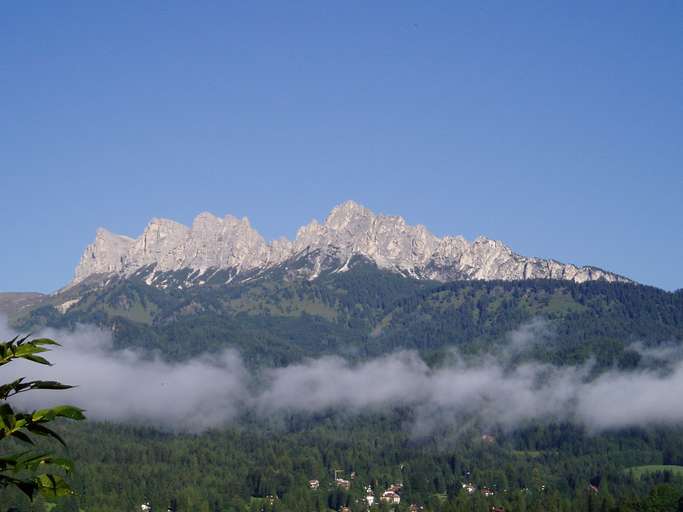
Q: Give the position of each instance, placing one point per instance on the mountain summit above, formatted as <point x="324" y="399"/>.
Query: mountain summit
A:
<point x="232" y="249"/>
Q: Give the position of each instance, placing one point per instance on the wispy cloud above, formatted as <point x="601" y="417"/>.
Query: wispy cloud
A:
<point x="211" y="390"/>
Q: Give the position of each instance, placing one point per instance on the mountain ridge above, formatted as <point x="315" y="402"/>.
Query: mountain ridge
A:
<point x="350" y="230"/>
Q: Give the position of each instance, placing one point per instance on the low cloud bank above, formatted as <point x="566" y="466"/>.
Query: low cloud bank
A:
<point x="123" y="385"/>
<point x="209" y="391"/>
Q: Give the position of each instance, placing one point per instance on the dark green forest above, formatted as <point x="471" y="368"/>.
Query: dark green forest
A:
<point x="263" y="465"/>
<point x="252" y="467"/>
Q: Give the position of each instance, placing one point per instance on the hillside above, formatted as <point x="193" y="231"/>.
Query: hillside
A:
<point x="13" y="303"/>
<point x="368" y="311"/>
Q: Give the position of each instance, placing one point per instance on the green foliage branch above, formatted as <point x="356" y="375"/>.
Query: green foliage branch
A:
<point x="32" y="471"/>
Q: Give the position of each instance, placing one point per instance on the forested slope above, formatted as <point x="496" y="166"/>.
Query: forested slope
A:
<point x="366" y="312"/>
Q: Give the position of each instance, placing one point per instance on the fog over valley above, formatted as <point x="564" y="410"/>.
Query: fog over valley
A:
<point x="210" y="390"/>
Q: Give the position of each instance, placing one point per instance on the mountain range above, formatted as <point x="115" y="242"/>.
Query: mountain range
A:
<point x="358" y="285"/>
<point x="168" y="253"/>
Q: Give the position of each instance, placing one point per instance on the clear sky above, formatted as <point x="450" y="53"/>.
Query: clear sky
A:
<point x="556" y="127"/>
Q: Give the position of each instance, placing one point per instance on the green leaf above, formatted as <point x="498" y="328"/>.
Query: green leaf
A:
<point x="21" y="436"/>
<point x="65" y="464"/>
<point x="38" y="359"/>
<point x="28" y="488"/>
<point x="64" y="411"/>
<point x="45" y="341"/>
<point x="69" y="411"/>
<point x="49" y="384"/>
<point x="41" y="430"/>
<point x="53" y="485"/>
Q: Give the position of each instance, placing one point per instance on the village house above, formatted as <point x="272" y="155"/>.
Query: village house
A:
<point x="497" y="509"/>
<point x="469" y="487"/>
<point x="343" y="484"/>
<point x="488" y="439"/>
<point x="369" y="496"/>
<point x="390" y="497"/>
<point x="344" y="509"/>
<point x="314" y="484"/>
<point x="487" y="492"/>
<point x="340" y="482"/>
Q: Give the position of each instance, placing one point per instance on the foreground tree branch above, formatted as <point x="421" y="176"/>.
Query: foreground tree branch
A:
<point x="32" y="471"/>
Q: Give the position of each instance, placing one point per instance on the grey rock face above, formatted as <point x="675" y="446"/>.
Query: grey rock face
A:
<point x="105" y="255"/>
<point x="350" y="230"/>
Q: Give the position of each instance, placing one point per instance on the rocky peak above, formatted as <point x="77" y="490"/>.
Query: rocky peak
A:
<point x="224" y="243"/>
<point x="206" y="222"/>
<point x="348" y="215"/>
<point x="104" y="256"/>
<point x="349" y="230"/>
<point x="155" y="244"/>
<point x="353" y="230"/>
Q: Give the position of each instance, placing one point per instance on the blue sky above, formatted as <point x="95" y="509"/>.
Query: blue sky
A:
<point x="555" y="127"/>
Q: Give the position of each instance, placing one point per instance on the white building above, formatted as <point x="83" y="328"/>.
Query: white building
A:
<point x="342" y="483"/>
<point x="469" y="487"/>
<point x="390" y="497"/>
